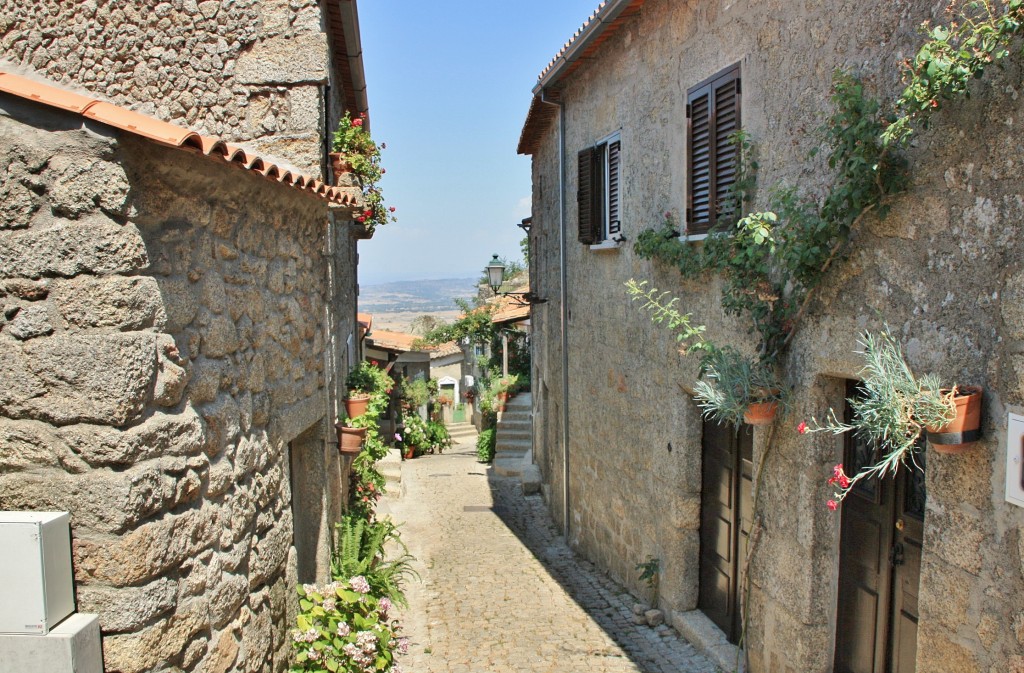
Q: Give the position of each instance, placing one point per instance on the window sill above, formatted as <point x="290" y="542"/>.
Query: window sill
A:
<point x="604" y="246"/>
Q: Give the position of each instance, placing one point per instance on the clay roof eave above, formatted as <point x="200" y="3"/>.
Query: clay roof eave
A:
<point x="581" y="47"/>
<point x="172" y="135"/>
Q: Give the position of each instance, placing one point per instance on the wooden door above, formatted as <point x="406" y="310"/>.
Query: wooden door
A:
<point x="726" y="507"/>
<point x="879" y="566"/>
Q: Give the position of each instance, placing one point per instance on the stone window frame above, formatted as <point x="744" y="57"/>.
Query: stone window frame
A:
<point x="599" y="193"/>
<point x="713" y="114"/>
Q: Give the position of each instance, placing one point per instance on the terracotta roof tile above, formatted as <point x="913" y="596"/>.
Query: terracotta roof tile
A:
<point x="446" y="349"/>
<point x="173" y="135"/>
<point x="395" y="341"/>
<point x="604" y="22"/>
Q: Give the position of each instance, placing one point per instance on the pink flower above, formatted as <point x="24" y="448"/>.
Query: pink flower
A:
<point x="802" y="428"/>
<point x="831" y="504"/>
<point x="398" y="437"/>
<point x="357" y="122"/>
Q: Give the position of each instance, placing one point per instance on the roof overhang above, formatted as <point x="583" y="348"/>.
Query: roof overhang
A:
<point x="584" y="44"/>
<point x="347" y="53"/>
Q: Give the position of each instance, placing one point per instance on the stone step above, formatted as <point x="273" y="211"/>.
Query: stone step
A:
<point x="512" y="433"/>
<point x="513" y="446"/>
<point x="514" y="417"/>
<point x="509" y="464"/>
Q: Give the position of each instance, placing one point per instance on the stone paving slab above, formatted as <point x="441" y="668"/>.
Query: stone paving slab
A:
<point x="500" y="591"/>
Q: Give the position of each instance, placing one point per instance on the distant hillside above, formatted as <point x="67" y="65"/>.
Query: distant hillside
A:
<point x="418" y="296"/>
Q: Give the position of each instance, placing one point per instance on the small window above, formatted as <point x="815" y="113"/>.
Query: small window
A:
<point x="712" y="116"/>
<point x="598" y="195"/>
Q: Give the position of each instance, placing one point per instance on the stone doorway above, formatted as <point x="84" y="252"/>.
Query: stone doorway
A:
<point x="880" y="547"/>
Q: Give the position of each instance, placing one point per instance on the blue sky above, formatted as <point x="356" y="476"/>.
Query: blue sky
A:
<point x="449" y="85"/>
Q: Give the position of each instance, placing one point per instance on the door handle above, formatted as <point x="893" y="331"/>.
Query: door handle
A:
<point x="896" y="555"/>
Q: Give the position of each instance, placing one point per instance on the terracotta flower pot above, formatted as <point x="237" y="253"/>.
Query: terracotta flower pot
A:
<point x="356" y="404"/>
<point x="761" y="413"/>
<point x="410" y="452"/>
<point x="350" y="440"/>
<point x="339" y="164"/>
<point x="963" y="431"/>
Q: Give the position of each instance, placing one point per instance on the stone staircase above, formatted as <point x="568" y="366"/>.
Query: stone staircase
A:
<point x="462" y="433"/>
<point x="515" y="436"/>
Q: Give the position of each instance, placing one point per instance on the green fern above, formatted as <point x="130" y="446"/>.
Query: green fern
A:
<point x="361" y="549"/>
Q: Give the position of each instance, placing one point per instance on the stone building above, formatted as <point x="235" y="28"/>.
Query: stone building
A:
<point x="630" y="466"/>
<point x="178" y="312"/>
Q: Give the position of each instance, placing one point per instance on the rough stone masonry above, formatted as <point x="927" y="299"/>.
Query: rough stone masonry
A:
<point x="167" y="341"/>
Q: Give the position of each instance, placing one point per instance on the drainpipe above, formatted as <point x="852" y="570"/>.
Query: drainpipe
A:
<point x="563" y="295"/>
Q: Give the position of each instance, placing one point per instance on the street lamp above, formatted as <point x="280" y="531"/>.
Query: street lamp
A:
<point x="496" y="276"/>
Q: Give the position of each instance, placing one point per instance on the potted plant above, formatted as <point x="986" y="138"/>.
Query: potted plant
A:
<point x="735" y="389"/>
<point x="361" y="382"/>
<point x="357" y="154"/>
<point x="350" y="440"/>
<point x="897" y="408"/>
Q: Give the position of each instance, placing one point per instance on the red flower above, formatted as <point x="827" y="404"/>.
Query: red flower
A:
<point x="392" y="209"/>
<point x="362" y="115"/>
<point x="383" y="171"/>
<point x="360" y="219"/>
<point x="831" y="504"/>
<point x="357" y="122"/>
<point x="367" y="213"/>
<point x="802" y="428"/>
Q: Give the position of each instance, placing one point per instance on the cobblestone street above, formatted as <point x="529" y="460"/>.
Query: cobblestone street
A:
<point x="501" y="591"/>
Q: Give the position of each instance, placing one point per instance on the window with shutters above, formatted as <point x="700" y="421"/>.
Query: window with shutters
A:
<point x="712" y="116"/>
<point x="598" y="194"/>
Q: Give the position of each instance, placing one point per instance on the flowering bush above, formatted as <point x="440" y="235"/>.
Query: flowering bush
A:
<point x="892" y="411"/>
<point x="343" y="627"/>
<point x="362" y="154"/>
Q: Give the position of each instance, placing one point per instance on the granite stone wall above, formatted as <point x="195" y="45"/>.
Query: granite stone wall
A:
<point x="171" y="333"/>
<point x="944" y="269"/>
<point x="249" y="71"/>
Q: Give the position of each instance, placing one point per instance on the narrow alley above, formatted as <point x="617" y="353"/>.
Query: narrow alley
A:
<point x="500" y="590"/>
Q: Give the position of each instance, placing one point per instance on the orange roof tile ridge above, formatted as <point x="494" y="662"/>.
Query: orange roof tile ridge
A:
<point x="165" y="133"/>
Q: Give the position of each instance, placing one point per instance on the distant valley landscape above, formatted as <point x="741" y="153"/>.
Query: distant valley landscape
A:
<point x="396" y="304"/>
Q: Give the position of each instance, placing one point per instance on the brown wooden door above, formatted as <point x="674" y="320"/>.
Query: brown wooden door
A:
<point x="879" y="566"/>
<point x="726" y="505"/>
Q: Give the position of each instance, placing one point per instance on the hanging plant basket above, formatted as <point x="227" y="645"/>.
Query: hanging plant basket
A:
<point x="963" y="431"/>
<point x="356" y="404"/>
<point x="761" y="413"/>
<point x="350" y="440"/>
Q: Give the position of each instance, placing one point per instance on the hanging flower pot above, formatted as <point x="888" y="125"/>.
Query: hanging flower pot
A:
<point x="356" y="404"/>
<point x="350" y="440"/>
<point x="761" y="413"/>
<point x="965" y="429"/>
<point x="339" y="165"/>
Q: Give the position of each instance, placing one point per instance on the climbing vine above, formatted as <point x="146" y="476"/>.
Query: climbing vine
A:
<point x="773" y="261"/>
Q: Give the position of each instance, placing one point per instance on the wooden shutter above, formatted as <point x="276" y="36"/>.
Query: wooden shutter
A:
<point x="614" y="226"/>
<point x="698" y="141"/>
<point x="585" y="193"/>
<point x="713" y="114"/>
<point x="727" y="122"/>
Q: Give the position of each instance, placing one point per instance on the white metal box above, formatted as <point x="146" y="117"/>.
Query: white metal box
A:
<point x="36" y="591"/>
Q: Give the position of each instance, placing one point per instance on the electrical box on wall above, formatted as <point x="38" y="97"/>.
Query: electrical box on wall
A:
<point x="1015" y="460"/>
<point x="36" y="590"/>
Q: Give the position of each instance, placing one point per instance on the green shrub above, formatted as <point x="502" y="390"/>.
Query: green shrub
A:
<point x="360" y="550"/>
<point x="485" y="444"/>
<point x="438" y="437"/>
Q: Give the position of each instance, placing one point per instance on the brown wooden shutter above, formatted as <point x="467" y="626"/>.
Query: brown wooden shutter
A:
<point x="713" y="115"/>
<point x="614" y="226"/>
<point x="727" y="122"/>
<point x="698" y="141"/>
<point x="588" y="220"/>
